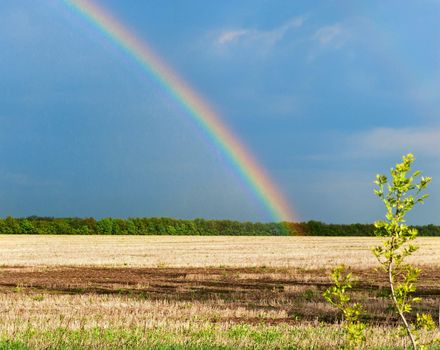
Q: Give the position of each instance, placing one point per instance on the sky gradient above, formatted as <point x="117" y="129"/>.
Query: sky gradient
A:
<point x="325" y="95"/>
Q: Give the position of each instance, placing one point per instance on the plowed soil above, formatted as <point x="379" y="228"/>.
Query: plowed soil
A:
<point x="297" y="291"/>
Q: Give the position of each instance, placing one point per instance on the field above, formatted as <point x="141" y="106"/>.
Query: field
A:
<point x="162" y="292"/>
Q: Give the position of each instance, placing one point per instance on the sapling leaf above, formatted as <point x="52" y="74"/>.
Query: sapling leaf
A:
<point x="400" y="196"/>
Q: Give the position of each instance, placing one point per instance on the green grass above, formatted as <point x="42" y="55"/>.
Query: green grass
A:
<point x="240" y="336"/>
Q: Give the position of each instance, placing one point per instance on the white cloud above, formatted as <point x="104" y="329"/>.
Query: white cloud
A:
<point x="328" y="34"/>
<point x="424" y="141"/>
<point x="330" y="37"/>
<point x="379" y="143"/>
<point x="230" y="35"/>
<point x="265" y="37"/>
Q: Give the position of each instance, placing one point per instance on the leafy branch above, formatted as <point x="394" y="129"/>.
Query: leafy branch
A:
<point x="400" y="194"/>
<point x="337" y="296"/>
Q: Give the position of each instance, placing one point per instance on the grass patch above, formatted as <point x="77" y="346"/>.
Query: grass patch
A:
<point x="206" y="337"/>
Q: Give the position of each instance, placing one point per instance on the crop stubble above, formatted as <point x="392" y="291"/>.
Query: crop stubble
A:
<point x="200" y="251"/>
<point x="196" y="282"/>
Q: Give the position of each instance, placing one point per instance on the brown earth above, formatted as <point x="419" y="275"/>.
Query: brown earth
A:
<point x="297" y="292"/>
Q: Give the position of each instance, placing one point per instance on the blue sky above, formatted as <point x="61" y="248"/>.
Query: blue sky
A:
<point x="325" y="94"/>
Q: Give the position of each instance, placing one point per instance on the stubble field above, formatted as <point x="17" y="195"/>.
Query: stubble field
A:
<point x="162" y="292"/>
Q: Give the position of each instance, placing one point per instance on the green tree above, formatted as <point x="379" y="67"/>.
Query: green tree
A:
<point x="337" y="295"/>
<point x="105" y="226"/>
<point x="400" y="194"/>
<point x="26" y="226"/>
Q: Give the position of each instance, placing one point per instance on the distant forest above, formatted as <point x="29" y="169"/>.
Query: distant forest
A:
<point x="170" y="226"/>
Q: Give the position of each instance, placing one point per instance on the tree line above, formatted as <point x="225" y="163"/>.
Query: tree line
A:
<point x="171" y="226"/>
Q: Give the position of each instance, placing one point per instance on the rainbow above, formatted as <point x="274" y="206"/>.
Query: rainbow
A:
<point x="249" y="169"/>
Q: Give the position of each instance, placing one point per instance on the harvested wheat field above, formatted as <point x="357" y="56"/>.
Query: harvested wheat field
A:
<point x="93" y="292"/>
<point x="200" y="251"/>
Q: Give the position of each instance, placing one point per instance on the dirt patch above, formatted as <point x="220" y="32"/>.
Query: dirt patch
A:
<point x="297" y="292"/>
